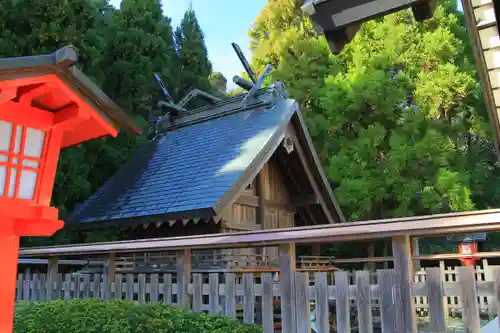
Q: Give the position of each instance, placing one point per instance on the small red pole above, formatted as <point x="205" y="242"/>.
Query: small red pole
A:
<point x="9" y="247"/>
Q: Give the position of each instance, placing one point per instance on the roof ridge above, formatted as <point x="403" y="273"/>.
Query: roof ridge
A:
<point x="264" y="98"/>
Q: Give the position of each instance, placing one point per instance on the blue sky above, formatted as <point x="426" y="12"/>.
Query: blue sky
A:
<point x="223" y="22"/>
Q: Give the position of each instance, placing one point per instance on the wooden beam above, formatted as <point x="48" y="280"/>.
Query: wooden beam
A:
<point x="240" y="226"/>
<point x="442" y="224"/>
<point x="261" y="196"/>
<point x="401" y="249"/>
<point x="314" y="184"/>
<point x="248" y="200"/>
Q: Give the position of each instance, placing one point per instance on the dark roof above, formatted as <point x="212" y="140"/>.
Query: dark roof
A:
<point x="339" y="20"/>
<point x="198" y="168"/>
<point x="62" y="63"/>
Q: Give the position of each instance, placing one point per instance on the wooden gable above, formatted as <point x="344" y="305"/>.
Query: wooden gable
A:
<point x="279" y="212"/>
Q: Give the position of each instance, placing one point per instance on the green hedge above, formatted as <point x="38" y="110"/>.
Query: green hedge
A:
<point x="96" y="316"/>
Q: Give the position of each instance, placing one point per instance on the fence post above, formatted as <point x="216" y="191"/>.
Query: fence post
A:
<point x="108" y="275"/>
<point x="287" y="287"/>
<point x="403" y="266"/>
<point x="183" y="277"/>
<point x="52" y="270"/>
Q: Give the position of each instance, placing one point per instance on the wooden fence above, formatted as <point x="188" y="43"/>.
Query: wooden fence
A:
<point x="336" y="299"/>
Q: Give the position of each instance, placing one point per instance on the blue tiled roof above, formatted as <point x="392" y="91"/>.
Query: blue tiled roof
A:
<point x="188" y="169"/>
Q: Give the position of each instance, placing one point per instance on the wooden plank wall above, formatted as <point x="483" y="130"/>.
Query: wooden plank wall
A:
<point x="278" y="211"/>
<point x="214" y="293"/>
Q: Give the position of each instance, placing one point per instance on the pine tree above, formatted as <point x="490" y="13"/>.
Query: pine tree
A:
<point x="192" y="53"/>
<point x="139" y="42"/>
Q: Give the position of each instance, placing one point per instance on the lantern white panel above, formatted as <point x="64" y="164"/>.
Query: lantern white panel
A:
<point x="17" y="143"/>
<point x="31" y="164"/>
<point x="492" y="58"/>
<point x="496" y="97"/>
<point x="12" y="182"/>
<point x="495" y="78"/>
<point x="3" y="176"/>
<point x="34" y="142"/>
<point x="477" y="3"/>
<point x="489" y="37"/>
<point x="5" y="135"/>
<point x="4" y="158"/>
<point x="484" y="14"/>
<point x="27" y="184"/>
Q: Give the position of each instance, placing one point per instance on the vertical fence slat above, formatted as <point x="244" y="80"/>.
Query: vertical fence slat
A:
<point x="58" y="289"/>
<point x="141" y="288"/>
<point x="67" y="286"/>
<point x="130" y="287"/>
<point x="43" y="287"/>
<point x="342" y="301"/>
<point x="19" y="286"/>
<point x="387" y="305"/>
<point x="154" y="288"/>
<point x="230" y="296"/>
<point x="470" y="308"/>
<point x="197" y="292"/>
<point x="267" y="303"/>
<point x="26" y="285"/>
<point x="322" y="313"/>
<point x="248" y="299"/>
<point x="213" y="294"/>
<point x="118" y="288"/>
<point x="436" y="299"/>
<point x="86" y="285"/>
<point x="364" y="302"/>
<point x="167" y="289"/>
<point x="96" y="286"/>
<point x="303" y="308"/>
<point x="34" y="288"/>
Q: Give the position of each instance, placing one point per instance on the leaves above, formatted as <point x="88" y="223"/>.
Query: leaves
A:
<point x="397" y="117"/>
<point x="97" y="316"/>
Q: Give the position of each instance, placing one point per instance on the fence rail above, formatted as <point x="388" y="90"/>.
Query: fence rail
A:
<point x="331" y="296"/>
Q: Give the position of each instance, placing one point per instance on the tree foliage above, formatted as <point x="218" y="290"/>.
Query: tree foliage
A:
<point x="192" y="53"/>
<point x="398" y="117"/>
<point x="119" y="50"/>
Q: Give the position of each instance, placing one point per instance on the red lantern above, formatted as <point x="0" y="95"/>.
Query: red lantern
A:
<point x="468" y="248"/>
<point x="46" y="104"/>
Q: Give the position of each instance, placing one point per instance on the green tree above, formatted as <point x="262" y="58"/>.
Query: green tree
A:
<point x="397" y="117"/>
<point x="139" y="42"/>
<point x="218" y="81"/>
<point x="192" y="52"/>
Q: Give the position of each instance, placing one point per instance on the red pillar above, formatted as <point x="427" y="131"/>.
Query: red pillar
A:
<point x="9" y="248"/>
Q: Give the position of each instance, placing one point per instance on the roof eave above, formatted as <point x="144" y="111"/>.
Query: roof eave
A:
<point x="203" y="213"/>
<point x="62" y="63"/>
<point x="317" y="168"/>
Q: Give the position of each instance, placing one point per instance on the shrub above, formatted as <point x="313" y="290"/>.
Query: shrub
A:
<point x="97" y="316"/>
